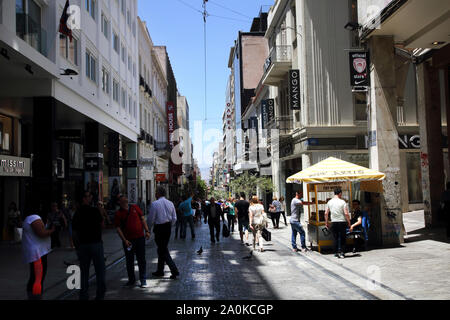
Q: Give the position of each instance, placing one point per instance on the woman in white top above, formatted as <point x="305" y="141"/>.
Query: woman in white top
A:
<point x="257" y="222"/>
<point x="36" y="244"/>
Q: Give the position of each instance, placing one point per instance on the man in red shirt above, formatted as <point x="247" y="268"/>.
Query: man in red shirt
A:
<point x="130" y="224"/>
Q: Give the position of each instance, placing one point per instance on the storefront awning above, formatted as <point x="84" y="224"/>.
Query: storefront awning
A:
<point x="335" y="170"/>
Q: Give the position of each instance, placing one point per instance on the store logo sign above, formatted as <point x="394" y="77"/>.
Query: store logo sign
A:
<point x="294" y="89"/>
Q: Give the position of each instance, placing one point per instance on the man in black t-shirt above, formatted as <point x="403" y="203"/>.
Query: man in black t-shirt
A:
<point x="87" y="230"/>
<point x="241" y="210"/>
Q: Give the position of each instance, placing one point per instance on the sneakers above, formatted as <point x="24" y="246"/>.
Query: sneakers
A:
<point x="295" y="250"/>
<point x="341" y="256"/>
<point x="143" y="284"/>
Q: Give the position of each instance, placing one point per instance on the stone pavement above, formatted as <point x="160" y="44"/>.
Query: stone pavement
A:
<point x="14" y="273"/>
<point x="417" y="270"/>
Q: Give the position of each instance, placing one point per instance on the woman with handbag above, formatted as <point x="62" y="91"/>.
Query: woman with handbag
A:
<point x="257" y="222"/>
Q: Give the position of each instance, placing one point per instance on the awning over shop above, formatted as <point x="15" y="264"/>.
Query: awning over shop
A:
<point x="335" y="170"/>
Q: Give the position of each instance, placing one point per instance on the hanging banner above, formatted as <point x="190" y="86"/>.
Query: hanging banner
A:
<point x="132" y="191"/>
<point x="267" y="111"/>
<point x="359" y="69"/>
<point x="170" y="123"/>
<point x="294" y="89"/>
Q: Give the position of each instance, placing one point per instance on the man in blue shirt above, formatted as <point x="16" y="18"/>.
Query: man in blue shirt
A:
<point x="186" y="209"/>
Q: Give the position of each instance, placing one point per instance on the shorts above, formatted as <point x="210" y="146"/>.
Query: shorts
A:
<point x="243" y="225"/>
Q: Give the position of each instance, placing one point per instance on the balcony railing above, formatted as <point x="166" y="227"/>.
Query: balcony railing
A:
<point x="161" y="146"/>
<point x="283" y="123"/>
<point x="31" y="32"/>
<point x="278" y="54"/>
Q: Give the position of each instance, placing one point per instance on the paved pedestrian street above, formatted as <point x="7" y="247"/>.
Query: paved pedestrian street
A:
<point x="278" y="273"/>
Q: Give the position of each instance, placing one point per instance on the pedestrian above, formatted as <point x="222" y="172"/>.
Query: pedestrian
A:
<point x="87" y="226"/>
<point x="340" y="218"/>
<point x="198" y="211"/>
<point x="283" y="209"/>
<point x="179" y="221"/>
<point x="297" y="217"/>
<point x="56" y="218"/>
<point x="36" y="245"/>
<point x="115" y="194"/>
<point x="275" y="213"/>
<point x="141" y="204"/>
<point x="163" y="216"/>
<point x="69" y="213"/>
<point x="241" y="209"/>
<point x="186" y="208"/>
<point x="13" y="220"/>
<point x="101" y="208"/>
<point x="213" y="213"/>
<point x="445" y="203"/>
<point x="257" y="222"/>
<point x="130" y="225"/>
<point x="230" y="214"/>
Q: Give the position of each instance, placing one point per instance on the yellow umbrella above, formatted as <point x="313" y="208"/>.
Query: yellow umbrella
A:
<point x="335" y="170"/>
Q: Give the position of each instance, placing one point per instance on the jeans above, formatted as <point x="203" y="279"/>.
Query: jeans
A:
<point x="162" y="237"/>
<point x="214" y="224"/>
<point x="178" y="226"/>
<point x="138" y="249"/>
<point x="297" y="228"/>
<point x="275" y="219"/>
<point x="86" y="253"/>
<point x="230" y="219"/>
<point x="339" y="230"/>
<point x="187" y="220"/>
<point x="284" y="217"/>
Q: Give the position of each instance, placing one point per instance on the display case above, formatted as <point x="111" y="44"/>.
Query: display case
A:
<point x="318" y="196"/>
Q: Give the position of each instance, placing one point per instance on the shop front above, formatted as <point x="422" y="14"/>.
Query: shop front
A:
<point x="15" y="174"/>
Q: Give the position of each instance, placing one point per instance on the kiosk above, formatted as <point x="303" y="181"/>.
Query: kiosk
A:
<point x="321" y="180"/>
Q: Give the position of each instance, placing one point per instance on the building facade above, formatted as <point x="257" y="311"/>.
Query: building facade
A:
<point x="74" y="102"/>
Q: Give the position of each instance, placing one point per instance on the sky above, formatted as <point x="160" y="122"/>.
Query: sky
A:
<point x="178" y="24"/>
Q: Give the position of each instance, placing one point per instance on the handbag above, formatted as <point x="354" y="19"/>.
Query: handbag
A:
<point x="266" y="234"/>
<point x="225" y="231"/>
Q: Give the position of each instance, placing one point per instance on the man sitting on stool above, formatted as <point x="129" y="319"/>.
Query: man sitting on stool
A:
<point x="358" y="227"/>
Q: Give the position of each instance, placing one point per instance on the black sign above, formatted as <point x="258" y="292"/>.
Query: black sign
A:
<point x="68" y="135"/>
<point x="294" y="89"/>
<point x="267" y="111"/>
<point x="359" y="69"/>
<point x="93" y="164"/>
<point x="129" y="164"/>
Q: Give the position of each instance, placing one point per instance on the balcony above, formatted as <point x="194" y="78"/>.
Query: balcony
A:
<point x="277" y="65"/>
<point x="283" y="123"/>
<point x="31" y="32"/>
<point x="162" y="149"/>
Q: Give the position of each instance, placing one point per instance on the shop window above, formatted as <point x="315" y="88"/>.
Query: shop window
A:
<point x="6" y="132"/>
<point x="360" y="104"/>
<point x="414" y="177"/>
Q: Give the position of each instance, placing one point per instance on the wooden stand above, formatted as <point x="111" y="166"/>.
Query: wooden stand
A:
<point x="319" y="195"/>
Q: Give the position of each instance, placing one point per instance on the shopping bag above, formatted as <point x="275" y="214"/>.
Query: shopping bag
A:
<point x="266" y="234"/>
<point x="225" y="231"/>
<point x="18" y="234"/>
